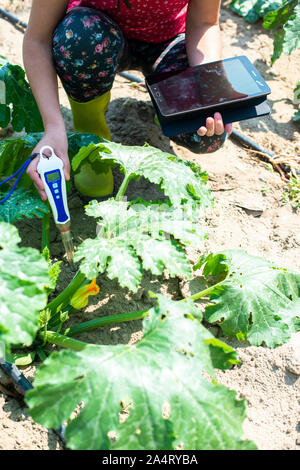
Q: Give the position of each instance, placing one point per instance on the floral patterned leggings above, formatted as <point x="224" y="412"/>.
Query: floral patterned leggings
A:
<point x="89" y="49"/>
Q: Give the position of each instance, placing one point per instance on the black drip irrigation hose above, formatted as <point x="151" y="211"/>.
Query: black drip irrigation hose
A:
<point x="235" y="135"/>
<point x="22" y="385"/>
<point x="12" y="19"/>
<point x="242" y="139"/>
<point x="130" y="77"/>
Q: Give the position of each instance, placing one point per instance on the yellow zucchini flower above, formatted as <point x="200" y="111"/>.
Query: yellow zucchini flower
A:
<point x="81" y="297"/>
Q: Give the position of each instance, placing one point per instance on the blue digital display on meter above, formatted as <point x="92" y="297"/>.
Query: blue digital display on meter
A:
<point x="52" y="176"/>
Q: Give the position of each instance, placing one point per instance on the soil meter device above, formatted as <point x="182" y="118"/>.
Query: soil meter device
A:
<point x="50" y="169"/>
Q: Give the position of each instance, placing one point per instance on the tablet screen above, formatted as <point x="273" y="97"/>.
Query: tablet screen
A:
<point x="207" y="85"/>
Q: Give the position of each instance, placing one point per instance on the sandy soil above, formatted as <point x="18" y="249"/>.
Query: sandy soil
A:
<point x="268" y="379"/>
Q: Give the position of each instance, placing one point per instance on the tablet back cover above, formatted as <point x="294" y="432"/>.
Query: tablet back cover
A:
<point x="181" y="126"/>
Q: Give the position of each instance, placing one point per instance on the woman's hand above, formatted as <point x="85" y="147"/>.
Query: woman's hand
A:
<point x="57" y="139"/>
<point x="214" y="126"/>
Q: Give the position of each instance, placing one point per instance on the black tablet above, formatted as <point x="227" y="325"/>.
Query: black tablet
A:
<point x="231" y="86"/>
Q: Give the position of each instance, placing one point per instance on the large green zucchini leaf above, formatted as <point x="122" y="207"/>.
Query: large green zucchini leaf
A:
<point x="180" y="180"/>
<point x="23" y="282"/>
<point x="133" y="238"/>
<point x="159" y="380"/>
<point x="256" y="300"/>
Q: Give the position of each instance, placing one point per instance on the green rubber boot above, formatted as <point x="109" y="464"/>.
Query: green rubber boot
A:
<point x="90" y="117"/>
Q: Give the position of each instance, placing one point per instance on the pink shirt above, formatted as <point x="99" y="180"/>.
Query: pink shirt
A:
<point x="149" y="20"/>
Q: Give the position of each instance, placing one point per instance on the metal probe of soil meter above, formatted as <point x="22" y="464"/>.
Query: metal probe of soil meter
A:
<point x="50" y="169"/>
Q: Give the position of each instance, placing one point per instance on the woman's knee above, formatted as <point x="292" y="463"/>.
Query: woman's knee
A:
<point x="86" y="49"/>
<point x="198" y="144"/>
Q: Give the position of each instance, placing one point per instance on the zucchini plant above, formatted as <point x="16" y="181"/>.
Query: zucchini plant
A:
<point x="282" y="17"/>
<point x="16" y="99"/>
<point x="161" y="392"/>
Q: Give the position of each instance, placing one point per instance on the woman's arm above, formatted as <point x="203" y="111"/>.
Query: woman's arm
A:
<point x="203" y="36"/>
<point x="40" y="70"/>
<point x="204" y="44"/>
<point x="37" y="56"/>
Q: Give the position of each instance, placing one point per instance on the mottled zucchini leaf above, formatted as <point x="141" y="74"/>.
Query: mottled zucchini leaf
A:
<point x="14" y="152"/>
<point x="24" y="113"/>
<point x="255" y="300"/>
<point x="285" y="22"/>
<point x="133" y="238"/>
<point x="23" y="282"/>
<point x="22" y="203"/>
<point x="159" y="380"/>
<point x="252" y="10"/>
<point x="181" y="182"/>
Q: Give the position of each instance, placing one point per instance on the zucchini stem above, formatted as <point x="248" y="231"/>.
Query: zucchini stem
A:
<point x="104" y="321"/>
<point x="60" y="340"/>
<point x="122" y="188"/>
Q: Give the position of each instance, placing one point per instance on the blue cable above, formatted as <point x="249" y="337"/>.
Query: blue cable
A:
<point x="19" y="172"/>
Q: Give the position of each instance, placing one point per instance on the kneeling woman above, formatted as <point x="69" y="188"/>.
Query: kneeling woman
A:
<point x="86" y="42"/>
